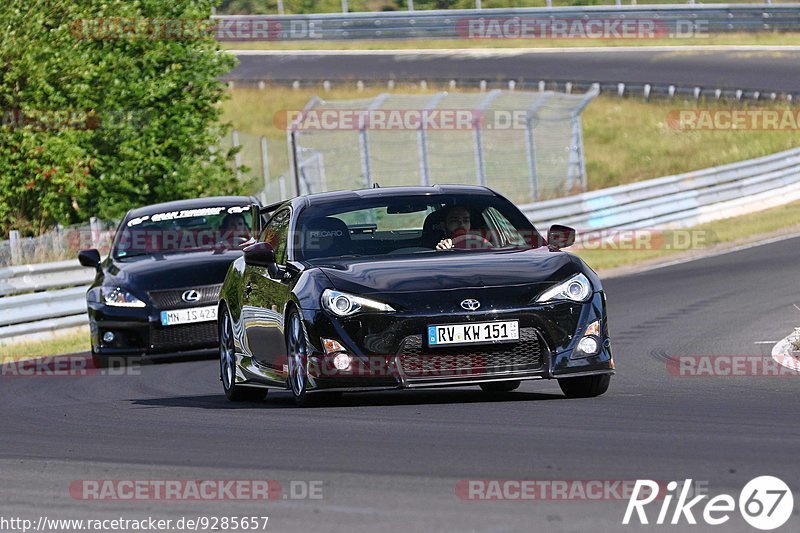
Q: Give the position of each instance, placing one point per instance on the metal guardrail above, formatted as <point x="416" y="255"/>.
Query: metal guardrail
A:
<point x="455" y="24"/>
<point x="40" y="277"/>
<point x="42" y="297"/>
<point x="680" y="200"/>
<point x="672" y="201"/>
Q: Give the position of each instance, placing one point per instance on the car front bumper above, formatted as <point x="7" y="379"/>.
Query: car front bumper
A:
<point x="138" y="331"/>
<point x="390" y="351"/>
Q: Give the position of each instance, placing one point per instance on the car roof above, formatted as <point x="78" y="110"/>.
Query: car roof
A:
<point x="333" y="196"/>
<point x="194" y="203"/>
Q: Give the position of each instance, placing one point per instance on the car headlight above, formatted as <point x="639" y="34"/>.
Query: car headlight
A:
<point x="343" y="304"/>
<point x="575" y="289"/>
<point x="117" y="297"/>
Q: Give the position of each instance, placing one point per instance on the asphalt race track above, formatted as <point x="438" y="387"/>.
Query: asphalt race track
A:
<point x="726" y="69"/>
<point x="391" y="461"/>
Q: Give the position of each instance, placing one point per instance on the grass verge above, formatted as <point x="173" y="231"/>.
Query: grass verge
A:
<point x="741" y="39"/>
<point x="73" y="341"/>
<point x="714" y="236"/>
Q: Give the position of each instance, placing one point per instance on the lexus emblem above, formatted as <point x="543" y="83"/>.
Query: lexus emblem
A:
<point x="190" y="296"/>
<point x="470" y="305"/>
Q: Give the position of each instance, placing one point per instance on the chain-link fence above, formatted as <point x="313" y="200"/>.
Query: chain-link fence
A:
<point x="58" y="244"/>
<point x="526" y="145"/>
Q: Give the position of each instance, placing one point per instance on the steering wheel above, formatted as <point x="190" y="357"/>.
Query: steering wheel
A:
<point x="471" y="241"/>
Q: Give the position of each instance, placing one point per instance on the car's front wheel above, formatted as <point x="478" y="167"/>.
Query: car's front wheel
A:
<point x="585" y="386"/>
<point x="227" y="365"/>
<point x="297" y="354"/>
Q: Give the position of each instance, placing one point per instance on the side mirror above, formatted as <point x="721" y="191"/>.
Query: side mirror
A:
<point x="559" y="237"/>
<point x="89" y="258"/>
<point x="261" y="254"/>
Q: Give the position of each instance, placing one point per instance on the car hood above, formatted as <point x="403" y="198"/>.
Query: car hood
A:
<point x="171" y="270"/>
<point x="529" y="270"/>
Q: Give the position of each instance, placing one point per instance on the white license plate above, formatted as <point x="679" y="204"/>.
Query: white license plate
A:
<point x="473" y="333"/>
<point x="188" y="316"/>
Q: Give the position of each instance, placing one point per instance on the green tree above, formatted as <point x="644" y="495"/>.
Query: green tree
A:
<point x="150" y="102"/>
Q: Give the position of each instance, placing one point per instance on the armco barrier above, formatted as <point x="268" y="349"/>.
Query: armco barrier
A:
<point x="675" y="19"/>
<point x="43" y="297"/>
<point x="673" y="201"/>
<point x="680" y="200"/>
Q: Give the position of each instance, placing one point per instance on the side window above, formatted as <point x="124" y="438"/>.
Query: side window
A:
<point x="276" y="233"/>
<point x="507" y="232"/>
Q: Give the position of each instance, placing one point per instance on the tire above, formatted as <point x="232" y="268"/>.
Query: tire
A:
<point x="297" y="355"/>
<point x="585" y="387"/>
<point x="500" y="386"/>
<point x="227" y="365"/>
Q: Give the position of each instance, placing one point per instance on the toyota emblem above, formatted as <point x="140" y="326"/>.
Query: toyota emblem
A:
<point x="470" y="305"/>
<point x="190" y="296"/>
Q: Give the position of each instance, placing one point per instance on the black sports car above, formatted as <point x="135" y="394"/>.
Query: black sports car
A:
<point x="409" y="287"/>
<point x="156" y="293"/>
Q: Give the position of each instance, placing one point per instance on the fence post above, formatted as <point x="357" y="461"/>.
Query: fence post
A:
<point x="16" y="247"/>
<point x="94" y="228"/>
<point x="530" y="142"/>
<point x="422" y="148"/>
<point x="422" y="142"/>
<point x="237" y="158"/>
<point x="265" y="163"/>
<point x="477" y="135"/>
<point x="411" y="5"/>
<point x="344" y="6"/>
<point x="480" y="164"/>
<point x="280" y="7"/>
<point x="363" y="142"/>
<point x="58" y="234"/>
<point x="363" y="150"/>
<point x="530" y="145"/>
<point x="291" y="144"/>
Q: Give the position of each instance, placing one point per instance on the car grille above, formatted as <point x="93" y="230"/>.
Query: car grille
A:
<point x="184" y="336"/>
<point x="417" y="361"/>
<point x="171" y="299"/>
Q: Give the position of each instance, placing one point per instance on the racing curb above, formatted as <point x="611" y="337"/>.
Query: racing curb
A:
<point x="783" y="354"/>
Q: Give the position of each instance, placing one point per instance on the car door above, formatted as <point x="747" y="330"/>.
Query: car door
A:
<point x="265" y="299"/>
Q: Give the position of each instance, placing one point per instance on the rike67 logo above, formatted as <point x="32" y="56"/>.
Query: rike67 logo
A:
<point x="766" y="503"/>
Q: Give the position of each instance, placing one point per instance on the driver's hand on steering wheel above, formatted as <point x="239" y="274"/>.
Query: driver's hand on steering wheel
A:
<point x="445" y="244"/>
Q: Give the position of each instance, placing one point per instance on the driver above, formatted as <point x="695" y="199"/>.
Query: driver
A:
<point x="234" y="226"/>
<point x="457" y="220"/>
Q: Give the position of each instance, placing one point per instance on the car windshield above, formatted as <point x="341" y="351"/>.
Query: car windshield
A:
<point x="221" y="227"/>
<point x="412" y="225"/>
